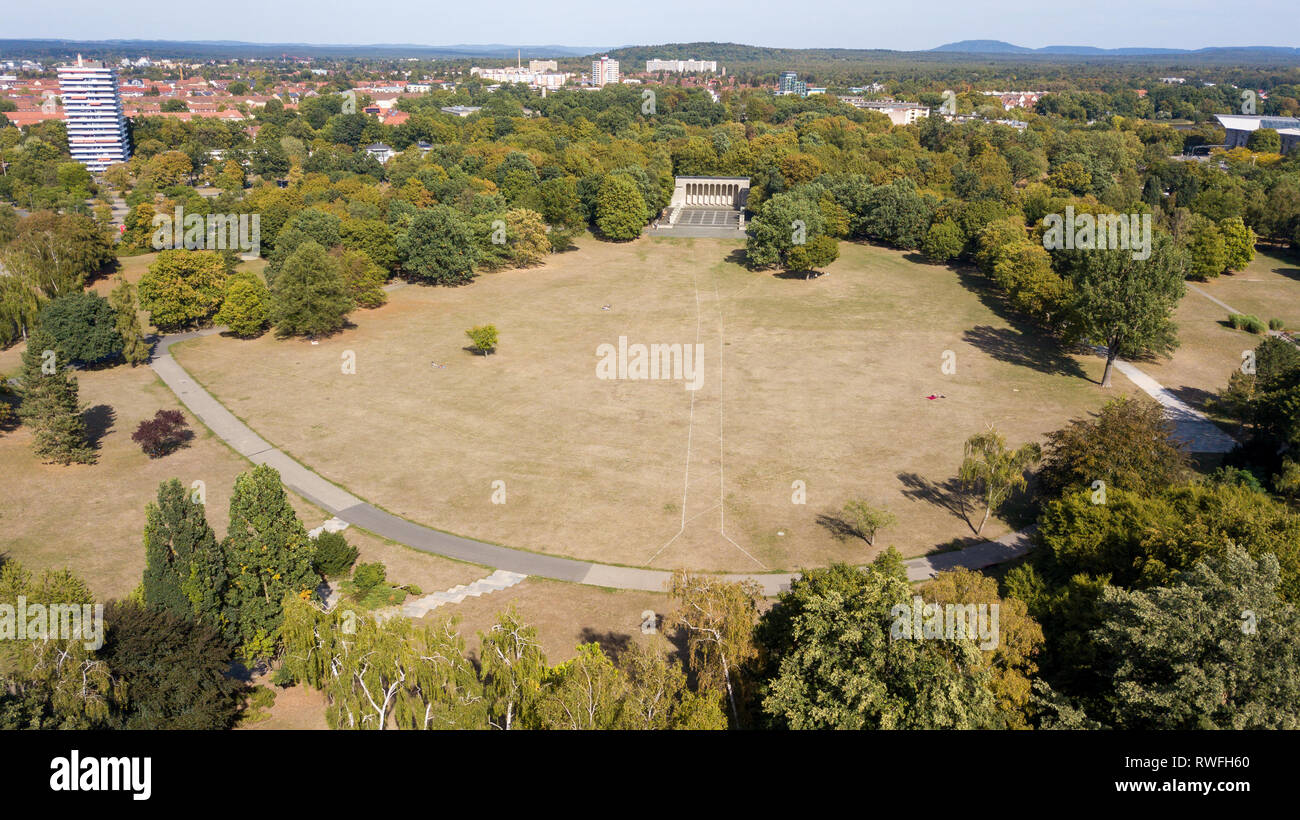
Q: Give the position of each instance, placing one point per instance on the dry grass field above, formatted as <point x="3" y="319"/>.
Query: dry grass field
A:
<point x="90" y="518"/>
<point x="821" y="381"/>
<point x="1210" y="349"/>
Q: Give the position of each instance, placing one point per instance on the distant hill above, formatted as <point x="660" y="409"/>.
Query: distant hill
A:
<point x="984" y="47"/>
<point x="231" y="49"/>
<point x="1000" y="47"/>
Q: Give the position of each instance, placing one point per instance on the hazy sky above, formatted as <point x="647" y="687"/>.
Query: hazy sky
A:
<point x="898" y="24"/>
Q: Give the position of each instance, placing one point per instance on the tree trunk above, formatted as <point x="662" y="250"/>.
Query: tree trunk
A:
<point x="726" y="678"/>
<point x="1110" y="364"/>
<point x="985" y="520"/>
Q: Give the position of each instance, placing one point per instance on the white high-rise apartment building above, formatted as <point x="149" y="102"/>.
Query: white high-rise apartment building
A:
<point x="604" y="71"/>
<point x="93" y="108"/>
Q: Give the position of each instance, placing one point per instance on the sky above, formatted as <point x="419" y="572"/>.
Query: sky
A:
<point x="897" y="24"/>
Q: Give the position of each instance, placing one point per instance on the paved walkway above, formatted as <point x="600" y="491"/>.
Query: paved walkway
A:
<point x="1190" y="425"/>
<point x="343" y="505"/>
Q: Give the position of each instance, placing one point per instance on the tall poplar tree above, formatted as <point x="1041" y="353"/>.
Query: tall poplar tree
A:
<point x="50" y="404"/>
<point x="185" y="570"/>
<point x="268" y="556"/>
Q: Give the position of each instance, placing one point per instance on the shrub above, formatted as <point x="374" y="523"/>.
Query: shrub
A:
<point x="334" y="555"/>
<point x="283" y="678"/>
<point x="483" y="338"/>
<point x="1247" y="322"/>
<point x="163" y="433"/>
<point x="369" y="576"/>
<point x="1276" y="324"/>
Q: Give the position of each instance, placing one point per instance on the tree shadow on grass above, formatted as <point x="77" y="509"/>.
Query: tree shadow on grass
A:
<point x="99" y="420"/>
<point x="1013" y="346"/>
<point x="950" y="495"/>
<point x="840" y="529"/>
<point x="737" y="257"/>
<point x="614" y="644"/>
<point x="1024" y="343"/>
<point x="1193" y="396"/>
<point x="799" y="274"/>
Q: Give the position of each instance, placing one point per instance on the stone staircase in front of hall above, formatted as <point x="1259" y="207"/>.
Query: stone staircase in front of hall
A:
<point x="497" y="581"/>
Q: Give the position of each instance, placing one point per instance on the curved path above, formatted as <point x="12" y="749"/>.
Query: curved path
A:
<point x="355" y="511"/>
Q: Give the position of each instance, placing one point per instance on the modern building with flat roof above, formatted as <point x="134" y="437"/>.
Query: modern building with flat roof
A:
<point x="791" y="84"/>
<point x="1238" y="128"/>
<point x="93" y="107"/>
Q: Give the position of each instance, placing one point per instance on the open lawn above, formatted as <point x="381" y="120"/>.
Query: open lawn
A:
<point x="90" y="518"/>
<point x="1210" y="349"/>
<point x="820" y="381"/>
<point x="1269" y="288"/>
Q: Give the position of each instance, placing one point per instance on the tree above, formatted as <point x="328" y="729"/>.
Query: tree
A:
<point x="867" y="520"/>
<point x="1265" y="141"/>
<point x="231" y="177"/>
<point x="246" y="306"/>
<point x="135" y="350"/>
<point x="84" y="327"/>
<point x="783" y="223"/>
<point x="1024" y="271"/>
<point x="833" y="658"/>
<point x="895" y="213"/>
<point x="1020" y="638"/>
<point x="267" y="556"/>
<point x="374" y="238"/>
<point x="177" y="672"/>
<point x="185" y="571"/>
<point x="718" y="619"/>
<point x="333" y="554"/>
<point x="57" y="253"/>
<point x="513" y="671"/>
<point x="364" y="279"/>
<point x="620" y="208"/>
<point x="817" y="252"/>
<point x="525" y="243"/>
<point x="657" y="696"/>
<point x="19" y="305"/>
<point x="1217" y="649"/>
<point x="163" y="434"/>
<point x="439" y="247"/>
<point x="308" y="225"/>
<point x="1128" y="445"/>
<point x="139" y="227"/>
<point x="169" y="168"/>
<point x="1143" y="541"/>
<point x="943" y="242"/>
<point x="1124" y="303"/>
<point x="1238" y="241"/>
<point x="483" y="338"/>
<point x="1207" y="251"/>
<point x="309" y="297"/>
<point x="583" y="693"/>
<point x="60" y="680"/>
<point x="993" y="472"/>
<point x="50" y="404"/>
<point x="376" y="675"/>
<point x="183" y="288"/>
